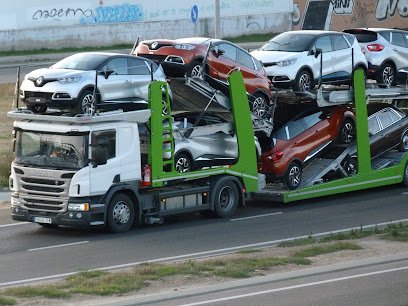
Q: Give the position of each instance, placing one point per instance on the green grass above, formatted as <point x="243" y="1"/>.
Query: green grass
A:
<point x="63" y="50"/>
<point x="251" y="38"/>
<point x="249" y="251"/>
<point x="396" y="232"/>
<point x="7" y="301"/>
<point x="331" y="248"/>
<point x="6" y="125"/>
<point x="51" y="292"/>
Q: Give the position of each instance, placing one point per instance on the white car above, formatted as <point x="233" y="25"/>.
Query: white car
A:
<point x="123" y="82"/>
<point x="386" y="51"/>
<point x="293" y="59"/>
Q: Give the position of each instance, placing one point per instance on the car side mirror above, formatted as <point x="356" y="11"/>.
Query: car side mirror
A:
<point x="219" y="52"/>
<point x="107" y="73"/>
<point x="318" y="52"/>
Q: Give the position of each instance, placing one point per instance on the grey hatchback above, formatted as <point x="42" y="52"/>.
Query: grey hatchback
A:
<point x="70" y="83"/>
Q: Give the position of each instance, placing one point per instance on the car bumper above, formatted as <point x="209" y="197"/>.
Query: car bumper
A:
<point x="280" y="77"/>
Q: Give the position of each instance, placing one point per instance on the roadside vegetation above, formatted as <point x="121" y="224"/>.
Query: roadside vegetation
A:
<point x="243" y="264"/>
<point x="6" y="99"/>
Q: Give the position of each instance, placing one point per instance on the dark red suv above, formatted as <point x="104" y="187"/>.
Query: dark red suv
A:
<point x="302" y="138"/>
<point x="186" y="56"/>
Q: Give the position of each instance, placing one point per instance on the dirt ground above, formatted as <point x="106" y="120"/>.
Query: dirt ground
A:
<point x="371" y="247"/>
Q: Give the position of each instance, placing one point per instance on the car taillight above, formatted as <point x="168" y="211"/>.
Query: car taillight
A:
<point x="375" y="47"/>
<point x="276" y="156"/>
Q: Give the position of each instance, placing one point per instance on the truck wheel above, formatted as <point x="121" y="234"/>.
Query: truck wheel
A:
<point x="121" y="213"/>
<point x="403" y="147"/>
<point x="38" y="108"/>
<point x="225" y="198"/>
<point x="350" y="166"/>
<point x="182" y="163"/>
<point x="405" y="180"/>
<point x="293" y="176"/>
<point x="346" y="131"/>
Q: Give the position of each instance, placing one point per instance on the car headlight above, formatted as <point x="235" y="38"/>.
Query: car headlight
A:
<point x="78" y="207"/>
<point x="286" y="62"/>
<point x="67" y="80"/>
<point x="184" y="46"/>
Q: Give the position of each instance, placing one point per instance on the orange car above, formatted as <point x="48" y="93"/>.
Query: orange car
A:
<point x="186" y="56"/>
<point x="302" y="138"/>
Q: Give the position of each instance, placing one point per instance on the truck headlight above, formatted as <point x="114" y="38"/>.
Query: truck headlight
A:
<point x="68" y="80"/>
<point x="78" y="207"/>
<point x="286" y="62"/>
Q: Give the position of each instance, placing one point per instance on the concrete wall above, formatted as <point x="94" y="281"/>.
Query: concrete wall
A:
<point x="342" y="14"/>
<point x="56" y="24"/>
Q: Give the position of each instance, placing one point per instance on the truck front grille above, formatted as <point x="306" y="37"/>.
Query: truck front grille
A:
<point x="43" y="190"/>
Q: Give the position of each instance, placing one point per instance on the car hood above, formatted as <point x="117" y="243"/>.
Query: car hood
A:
<point x="50" y="73"/>
<point x="274" y="56"/>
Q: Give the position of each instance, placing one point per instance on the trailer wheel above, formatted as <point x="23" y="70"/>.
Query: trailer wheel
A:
<point x="405" y="180"/>
<point x="225" y="198"/>
<point x="121" y="213"/>
<point x="293" y="176"/>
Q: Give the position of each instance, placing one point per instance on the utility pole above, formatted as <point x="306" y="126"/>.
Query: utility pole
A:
<point x="217" y="32"/>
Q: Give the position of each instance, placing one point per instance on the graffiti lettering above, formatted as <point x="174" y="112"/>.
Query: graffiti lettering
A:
<point x="388" y="8"/>
<point x="343" y="6"/>
<point x="58" y="13"/>
<point x="114" y="14"/>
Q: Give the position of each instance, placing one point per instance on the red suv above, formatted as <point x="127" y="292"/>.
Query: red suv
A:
<point x="300" y="139"/>
<point x="186" y="56"/>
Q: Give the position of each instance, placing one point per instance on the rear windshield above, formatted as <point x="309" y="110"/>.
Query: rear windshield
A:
<point x="363" y="36"/>
<point x="290" y="42"/>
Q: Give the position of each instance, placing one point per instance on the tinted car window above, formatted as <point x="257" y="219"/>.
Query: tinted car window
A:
<point x="245" y="59"/>
<point x="291" y="42"/>
<point x="312" y="119"/>
<point x="324" y="43"/>
<point x="138" y="67"/>
<point x="294" y="128"/>
<point x="258" y="64"/>
<point x="339" y="43"/>
<point x="385" y="118"/>
<point x="363" y="36"/>
<point x="398" y="39"/>
<point x="386" y="35"/>
<point x="395" y="116"/>
<point x="229" y="51"/>
<point x="118" y="65"/>
<point x="373" y="126"/>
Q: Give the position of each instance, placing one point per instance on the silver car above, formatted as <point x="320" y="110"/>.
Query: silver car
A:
<point x="386" y="51"/>
<point x="122" y="81"/>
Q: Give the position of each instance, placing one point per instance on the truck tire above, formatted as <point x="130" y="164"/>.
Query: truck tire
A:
<point x="121" y="213"/>
<point x="225" y="198"/>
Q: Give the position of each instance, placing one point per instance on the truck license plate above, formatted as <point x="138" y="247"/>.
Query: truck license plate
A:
<point x="42" y="220"/>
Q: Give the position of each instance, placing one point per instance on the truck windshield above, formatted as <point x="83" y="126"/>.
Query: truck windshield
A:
<point x="56" y="151"/>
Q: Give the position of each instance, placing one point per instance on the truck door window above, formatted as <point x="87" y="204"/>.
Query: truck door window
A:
<point x="110" y="135"/>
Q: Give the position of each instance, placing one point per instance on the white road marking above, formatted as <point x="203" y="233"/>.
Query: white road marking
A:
<point x="185" y="256"/>
<point x="257" y="216"/>
<point x="58" y="246"/>
<point x="14" y="224"/>
<point x="235" y="297"/>
<point x="404" y="193"/>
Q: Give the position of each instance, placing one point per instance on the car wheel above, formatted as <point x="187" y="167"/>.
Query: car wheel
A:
<point x="347" y="129"/>
<point x="86" y="103"/>
<point x="121" y="213"/>
<point x="405" y="180"/>
<point x="303" y="81"/>
<point x="182" y="163"/>
<point x="259" y="105"/>
<point x="225" y="198"/>
<point x="293" y="176"/>
<point x="386" y="75"/>
<point x="196" y="70"/>
<point x="350" y="166"/>
<point x="37" y="109"/>
<point x="403" y="147"/>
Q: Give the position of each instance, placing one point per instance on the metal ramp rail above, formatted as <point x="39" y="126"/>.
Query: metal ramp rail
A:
<point x="264" y="123"/>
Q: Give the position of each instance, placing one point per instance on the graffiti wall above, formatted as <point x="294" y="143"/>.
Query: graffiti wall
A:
<point x="341" y="14"/>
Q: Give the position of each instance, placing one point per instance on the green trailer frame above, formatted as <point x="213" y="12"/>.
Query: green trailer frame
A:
<point x="365" y="178"/>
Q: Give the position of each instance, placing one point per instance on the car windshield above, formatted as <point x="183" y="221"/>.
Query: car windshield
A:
<point x="81" y="61"/>
<point x="55" y="151"/>
<point x="289" y="42"/>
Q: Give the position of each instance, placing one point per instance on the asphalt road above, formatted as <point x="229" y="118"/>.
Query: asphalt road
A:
<point x="28" y="251"/>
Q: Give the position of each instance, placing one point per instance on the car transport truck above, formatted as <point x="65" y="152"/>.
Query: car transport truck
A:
<point x="95" y="170"/>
